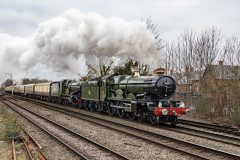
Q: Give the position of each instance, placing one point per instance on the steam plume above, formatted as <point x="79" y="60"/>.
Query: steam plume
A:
<point x="66" y="43"/>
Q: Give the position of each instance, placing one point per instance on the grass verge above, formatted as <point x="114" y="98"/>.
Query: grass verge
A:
<point x="10" y="126"/>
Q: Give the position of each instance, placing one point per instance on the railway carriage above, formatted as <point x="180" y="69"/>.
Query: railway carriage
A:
<point x="29" y="90"/>
<point x="9" y="89"/>
<point x="42" y="90"/>
<point x="21" y="90"/>
<point x="16" y="89"/>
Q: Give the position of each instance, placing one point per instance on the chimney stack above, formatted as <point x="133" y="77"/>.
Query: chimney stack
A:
<point x="159" y="71"/>
<point x="220" y="62"/>
<point x="189" y="69"/>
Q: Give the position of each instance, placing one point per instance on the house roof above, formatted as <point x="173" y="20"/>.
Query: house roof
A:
<point x="226" y="72"/>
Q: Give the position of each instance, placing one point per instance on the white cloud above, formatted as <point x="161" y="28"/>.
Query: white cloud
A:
<point x="20" y="17"/>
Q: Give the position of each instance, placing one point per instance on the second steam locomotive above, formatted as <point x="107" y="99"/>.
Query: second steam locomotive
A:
<point x="145" y="98"/>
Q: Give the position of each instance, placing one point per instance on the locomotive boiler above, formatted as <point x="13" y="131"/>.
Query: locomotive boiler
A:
<point x="160" y="87"/>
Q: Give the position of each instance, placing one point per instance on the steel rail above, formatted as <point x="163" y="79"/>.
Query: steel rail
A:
<point x="214" y="136"/>
<point x="98" y="120"/>
<point x="14" y="150"/>
<point x="95" y="122"/>
<point x="41" y="156"/>
<point x="56" y="138"/>
<point x="214" y="127"/>
<point x="235" y="141"/>
<point x="75" y="134"/>
<point x="29" y="155"/>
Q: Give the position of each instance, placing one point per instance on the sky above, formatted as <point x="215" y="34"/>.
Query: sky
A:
<point x="22" y="17"/>
<point x="27" y="25"/>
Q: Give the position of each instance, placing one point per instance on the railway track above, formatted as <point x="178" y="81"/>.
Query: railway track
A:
<point x="213" y="127"/>
<point x="171" y="143"/>
<point x="29" y="147"/>
<point x="227" y="139"/>
<point x="99" y="149"/>
<point x="32" y="144"/>
<point x="200" y="133"/>
<point x="235" y="141"/>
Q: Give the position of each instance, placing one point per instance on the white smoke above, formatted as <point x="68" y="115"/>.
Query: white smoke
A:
<point x="66" y="43"/>
<point x="14" y="54"/>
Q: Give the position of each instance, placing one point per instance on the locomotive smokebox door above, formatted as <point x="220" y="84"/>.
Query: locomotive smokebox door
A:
<point x="134" y="106"/>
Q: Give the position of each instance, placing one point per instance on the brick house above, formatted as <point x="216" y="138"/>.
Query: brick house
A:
<point x="221" y="83"/>
<point x="187" y="82"/>
<point x="221" y="76"/>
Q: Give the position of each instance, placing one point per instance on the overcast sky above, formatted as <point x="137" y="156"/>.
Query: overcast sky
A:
<point x="21" y="17"/>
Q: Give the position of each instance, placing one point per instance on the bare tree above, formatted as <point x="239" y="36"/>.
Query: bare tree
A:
<point x="152" y="27"/>
<point x="8" y="82"/>
<point x="190" y="55"/>
<point x="100" y="68"/>
<point x="191" y="49"/>
<point x="231" y="56"/>
<point x="207" y="47"/>
<point x="231" y="53"/>
<point x="34" y="80"/>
